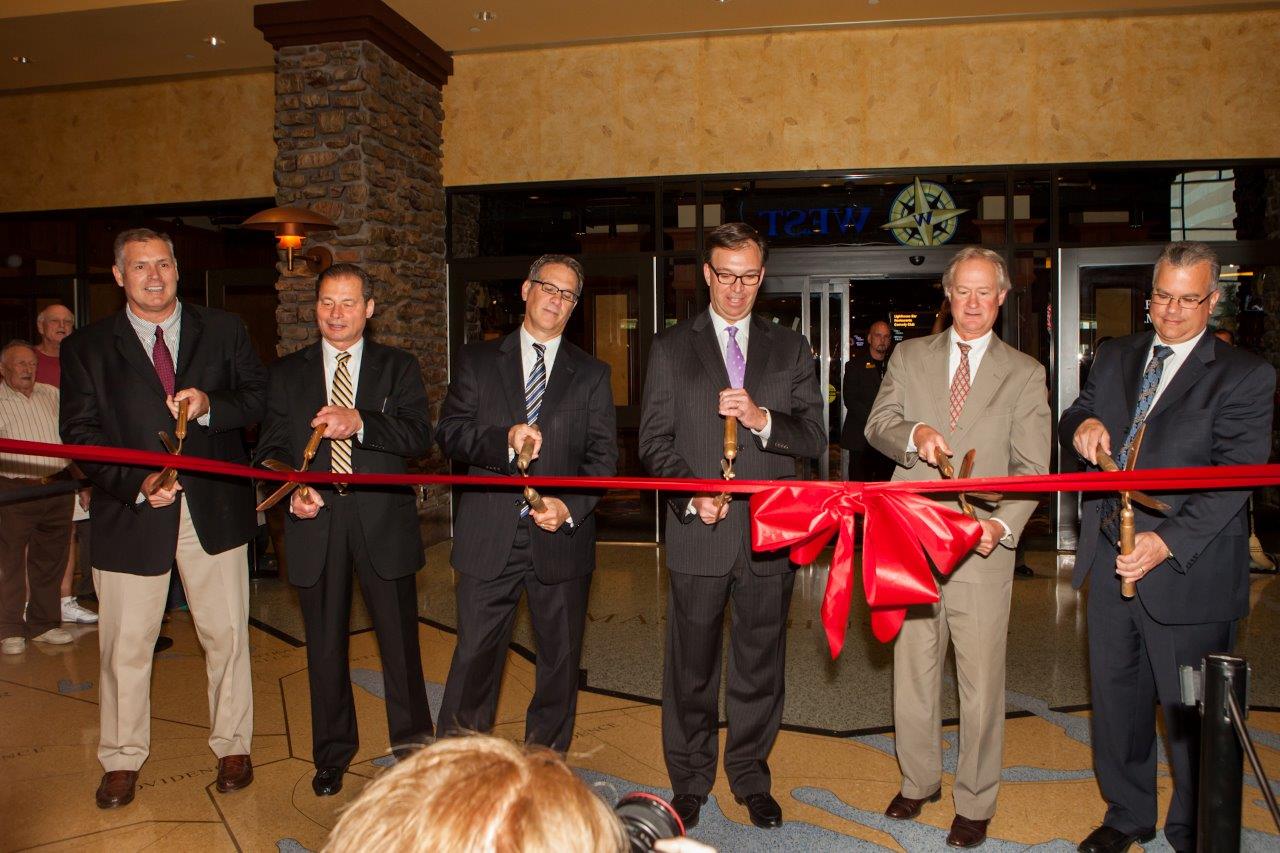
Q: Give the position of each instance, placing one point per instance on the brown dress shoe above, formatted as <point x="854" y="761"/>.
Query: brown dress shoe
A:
<point x="902" y="807"/>
<point x="234" y="772"/>
<point x="116" y="788"/>
<point x="967" y="833"/>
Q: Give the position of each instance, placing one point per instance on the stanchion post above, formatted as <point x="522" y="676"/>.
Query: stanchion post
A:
<point x="1221" y="755"/>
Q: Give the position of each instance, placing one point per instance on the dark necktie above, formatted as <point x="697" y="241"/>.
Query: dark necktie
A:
<point x="163" y="361"/>
<point x="534" y="388"/>
<point x="1146" y="396"/>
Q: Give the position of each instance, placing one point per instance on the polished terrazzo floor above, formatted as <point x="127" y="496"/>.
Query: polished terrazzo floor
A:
<point x="833" y="766"/>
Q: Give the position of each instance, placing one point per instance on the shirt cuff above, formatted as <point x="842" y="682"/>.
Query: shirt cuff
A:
<point x="1007" y="538"/>
<point x="689" y="510"/>
<point x="765" y="431"/>
<point x="911" y="437"/>
<point x="203" y="420"/>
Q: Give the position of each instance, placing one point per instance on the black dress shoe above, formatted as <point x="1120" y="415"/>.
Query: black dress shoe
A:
<point x="688" y="806"/>
<point x="327" y="781"/>
<point x="763" y="809"/>
<point x="163" y="644"/>
<point x="1106" y="839"/>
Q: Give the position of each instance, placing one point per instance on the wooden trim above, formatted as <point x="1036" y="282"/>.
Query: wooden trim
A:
<point x="321" y="21"/>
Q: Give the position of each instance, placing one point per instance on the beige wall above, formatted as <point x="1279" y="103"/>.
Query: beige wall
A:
<point x="190" y="139"/>
<point x="1098" y="89"/>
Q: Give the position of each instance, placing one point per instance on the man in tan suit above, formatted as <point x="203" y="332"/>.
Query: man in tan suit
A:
<point x="942" y="396"/>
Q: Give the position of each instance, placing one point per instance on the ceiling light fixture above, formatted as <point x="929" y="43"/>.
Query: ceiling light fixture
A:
<point x="485" y="17"/>
<point x="214" y="41"/>
<point x="21" y="60"/>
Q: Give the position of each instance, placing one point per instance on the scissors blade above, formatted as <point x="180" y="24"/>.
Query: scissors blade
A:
<point x="276" y="465"/>
<point x="1132" y="461"/>
<point x="276" y="496"/>
<point x="169" y="444"/>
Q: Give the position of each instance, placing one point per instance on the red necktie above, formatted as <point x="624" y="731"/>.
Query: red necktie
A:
<point x="163" y="360"/>
<point x="960" y="384"/>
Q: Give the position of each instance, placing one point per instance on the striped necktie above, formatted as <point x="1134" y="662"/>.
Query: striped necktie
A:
<point x="340" y="448"/>
<point x="534" y="388"/>
<point x="1110" y="510"/>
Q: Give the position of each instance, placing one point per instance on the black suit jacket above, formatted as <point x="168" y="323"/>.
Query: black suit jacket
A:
<point x="681" y="434"/>
<point x="112" y="396"/>
<point x="861" y="382"/>
<point x="1215" y="411"/>
<point x="393" y="405"/>
<point x="485" y="399"/>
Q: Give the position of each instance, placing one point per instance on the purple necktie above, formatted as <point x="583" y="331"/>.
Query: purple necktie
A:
<point x="163" y="360"/>
<point x="734" y="360"/>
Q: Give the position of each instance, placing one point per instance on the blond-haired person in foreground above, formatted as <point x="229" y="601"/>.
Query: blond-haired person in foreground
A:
<point x="482" y="793"/>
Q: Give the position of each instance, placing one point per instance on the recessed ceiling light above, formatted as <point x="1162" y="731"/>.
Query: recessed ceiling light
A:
<point x="485" y="17"/>
<point x="474" y="30"/>
<point x="873" y="2"/>
<point x="214" y="41"/>
<point x="21" y="60"/>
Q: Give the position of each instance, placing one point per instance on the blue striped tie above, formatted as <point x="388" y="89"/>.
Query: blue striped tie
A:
<point x="534" y="388"/>
<point x="1110" y="512"/>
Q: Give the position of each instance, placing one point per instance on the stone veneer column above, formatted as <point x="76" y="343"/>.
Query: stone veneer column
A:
<point x="358" y="120"/>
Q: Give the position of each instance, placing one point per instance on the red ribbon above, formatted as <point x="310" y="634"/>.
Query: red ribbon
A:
<point x="901" y="525"/>
<point x="900" y="528"/>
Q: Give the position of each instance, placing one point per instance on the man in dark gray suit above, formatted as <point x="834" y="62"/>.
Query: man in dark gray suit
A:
<point x="726" y="363"/>
<point x="530" y="385"/>
<point x="371" y="400"/>
<point x="1203" y="402"/>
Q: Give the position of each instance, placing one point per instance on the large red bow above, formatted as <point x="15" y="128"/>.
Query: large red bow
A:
<point x="900" y="528"/>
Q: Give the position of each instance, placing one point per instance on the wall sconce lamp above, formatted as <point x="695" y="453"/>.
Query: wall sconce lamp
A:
<point x="291" y="225"/>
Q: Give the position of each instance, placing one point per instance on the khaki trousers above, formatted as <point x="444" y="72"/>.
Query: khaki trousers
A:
<point x="130" y="610"/>
<point x="974" y="616"/>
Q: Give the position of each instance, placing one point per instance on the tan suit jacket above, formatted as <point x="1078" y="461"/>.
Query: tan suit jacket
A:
<point x="1006" y="418"/>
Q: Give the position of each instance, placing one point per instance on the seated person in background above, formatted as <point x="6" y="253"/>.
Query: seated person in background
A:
<point x="482" y="793"/>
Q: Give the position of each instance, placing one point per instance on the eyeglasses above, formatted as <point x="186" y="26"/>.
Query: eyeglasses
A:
<point x="551" y="290"/>
<point x="728" y="279"/>
<point x="1188" y="302"/>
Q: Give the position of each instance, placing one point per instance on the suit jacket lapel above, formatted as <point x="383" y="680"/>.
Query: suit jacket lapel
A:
<point x="511" y="373"/>
<point x="560" y="379"/>
<point x="1132" y="365"/>
<point x="937" y="366"/>
<point x="707" y="348"/>
<point x="312" y="397"/>
<point x="759" y="346"/>
<point x="367" y="386"/>
<point x="991" y="373"/>
<point x="192" y="326"/>
<point x="130" y="348"/>
<point x="1192" y="370"/>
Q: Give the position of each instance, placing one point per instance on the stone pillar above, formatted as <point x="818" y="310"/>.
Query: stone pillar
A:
<point x="358" y="122"/>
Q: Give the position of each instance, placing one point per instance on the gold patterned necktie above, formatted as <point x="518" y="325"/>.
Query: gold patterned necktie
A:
<point x="960" y="384"/>
<point x="340" y="448"/>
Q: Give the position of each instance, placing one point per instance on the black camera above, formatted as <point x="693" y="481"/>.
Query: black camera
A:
<point x="647" y="818"/>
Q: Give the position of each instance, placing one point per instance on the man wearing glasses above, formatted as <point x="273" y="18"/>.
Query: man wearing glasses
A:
<point x="533" y="386"/>
<point x="1202" y="402"/>
<point x="726" y="363"/>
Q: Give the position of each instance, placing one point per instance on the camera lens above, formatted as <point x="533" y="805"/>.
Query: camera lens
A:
<point x="647" y="818"/>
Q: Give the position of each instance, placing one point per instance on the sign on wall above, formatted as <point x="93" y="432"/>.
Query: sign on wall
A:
<point x="923" y="214"/>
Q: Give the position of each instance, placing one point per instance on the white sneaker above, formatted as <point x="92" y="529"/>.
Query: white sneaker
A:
<point x="55" y="637"/>
<point x="13" y="645"/>
<point x="73" y="612"/>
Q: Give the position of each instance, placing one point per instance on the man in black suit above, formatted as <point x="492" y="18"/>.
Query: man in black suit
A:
<point x="530" y="385"/>
<point x="122" y="380"/>
<point x="720" y="364"/>
<point x="373" y="405"/>
<point x="862" y="376"/>
<point x="1203" y="402"/>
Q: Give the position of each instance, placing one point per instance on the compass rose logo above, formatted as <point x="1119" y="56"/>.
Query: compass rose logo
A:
<point x="923" y="214"/>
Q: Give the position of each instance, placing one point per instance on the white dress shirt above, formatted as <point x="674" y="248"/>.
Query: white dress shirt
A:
<point x="172" y="328"/>
<point x="529" y="356"/>
<point x="1172" y="363"/>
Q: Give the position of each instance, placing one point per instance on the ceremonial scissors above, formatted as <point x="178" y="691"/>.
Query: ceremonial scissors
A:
<point x="1128" y="529"/>
<point x="169" y="476"/>
<point x="308" y="453"/>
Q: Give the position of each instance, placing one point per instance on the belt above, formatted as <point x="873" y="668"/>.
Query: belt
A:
<point x="39" y="481"/>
